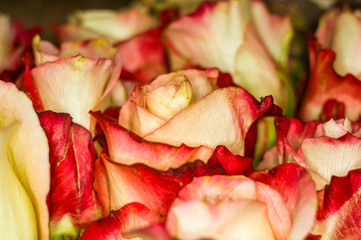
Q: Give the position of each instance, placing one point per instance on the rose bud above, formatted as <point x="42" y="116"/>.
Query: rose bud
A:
<point x="114" y="25"/>
<point x="324" y="149"/>
<point x="229" y="207"/>
<point x="25" y="175"/>
<point x="240" y="38"/>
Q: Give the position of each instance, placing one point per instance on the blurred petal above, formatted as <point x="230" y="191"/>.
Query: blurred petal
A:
<point x="276" y="32"/>
<point x="113" y="25"/>
<point x="144" y="56"/>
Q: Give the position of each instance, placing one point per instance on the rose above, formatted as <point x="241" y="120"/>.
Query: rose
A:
<point x="15" y="41"/>
<point x="24" y="170"/>
<point x="344" y="41"/>
<point x="186" y="108"/>
<point x="236" y="207"/>
<point x="232" y="36"/>
<point x="334" y="72"/>
<point x="325" y="149"/>
<point x="114" y="25"/>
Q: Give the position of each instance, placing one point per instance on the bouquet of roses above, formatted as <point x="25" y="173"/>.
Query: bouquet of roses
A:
<point x="181" y="120"/>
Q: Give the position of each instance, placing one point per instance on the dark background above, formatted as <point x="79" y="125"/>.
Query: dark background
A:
<point x="304" y="13"/>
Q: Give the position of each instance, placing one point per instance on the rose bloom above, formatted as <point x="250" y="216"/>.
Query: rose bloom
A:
<point x="240" y="38"/>
<point x="269" y="205"/>
<point x="334" y="69"/>
<point x="186" y="107"/>
<point x="324" y="149"/>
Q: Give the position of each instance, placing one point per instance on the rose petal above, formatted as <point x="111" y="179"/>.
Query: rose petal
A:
<point x="136" y="183"/>
<point x="131" y="217"/>
<point x="113" y="25"/>
<point x="72" y="201"/>
<point x="299" y="193"/>
<point x="28" y="155"/>
<point x="325" y="84"/>
<point x="144" y="56"/>
<point x="276" y="32"/>
<point x="328" y="156"/>
<point x="209" y="37"/>
<point x="77" y="84"/>
<point x="125" y="150"/>
<point x="339" y="212"/>
<point x="229" y="114"/>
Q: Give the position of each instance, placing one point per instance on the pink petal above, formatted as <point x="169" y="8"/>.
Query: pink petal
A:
<point x="298" y="191"/>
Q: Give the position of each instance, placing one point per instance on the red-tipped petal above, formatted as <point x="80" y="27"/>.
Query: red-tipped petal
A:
<point x="298" y="191"/>
<point x="125" y="150"/>
<point x="131" y="217"/>
<point x="339" y="209"/>
<point x="137" y="183"/>
<point x="325" y="84"/>
<point x="72" y="201"/>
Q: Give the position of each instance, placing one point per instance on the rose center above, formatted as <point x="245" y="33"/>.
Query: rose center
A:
<point x="165" y="99"/>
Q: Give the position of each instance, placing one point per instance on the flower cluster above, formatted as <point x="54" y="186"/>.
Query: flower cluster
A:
<point x="180" y="120"/>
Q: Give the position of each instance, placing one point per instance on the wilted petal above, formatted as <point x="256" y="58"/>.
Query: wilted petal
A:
<point x="131" y="217"/>
<point x="25" y="157"/>
<point x="72" y="202"/>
